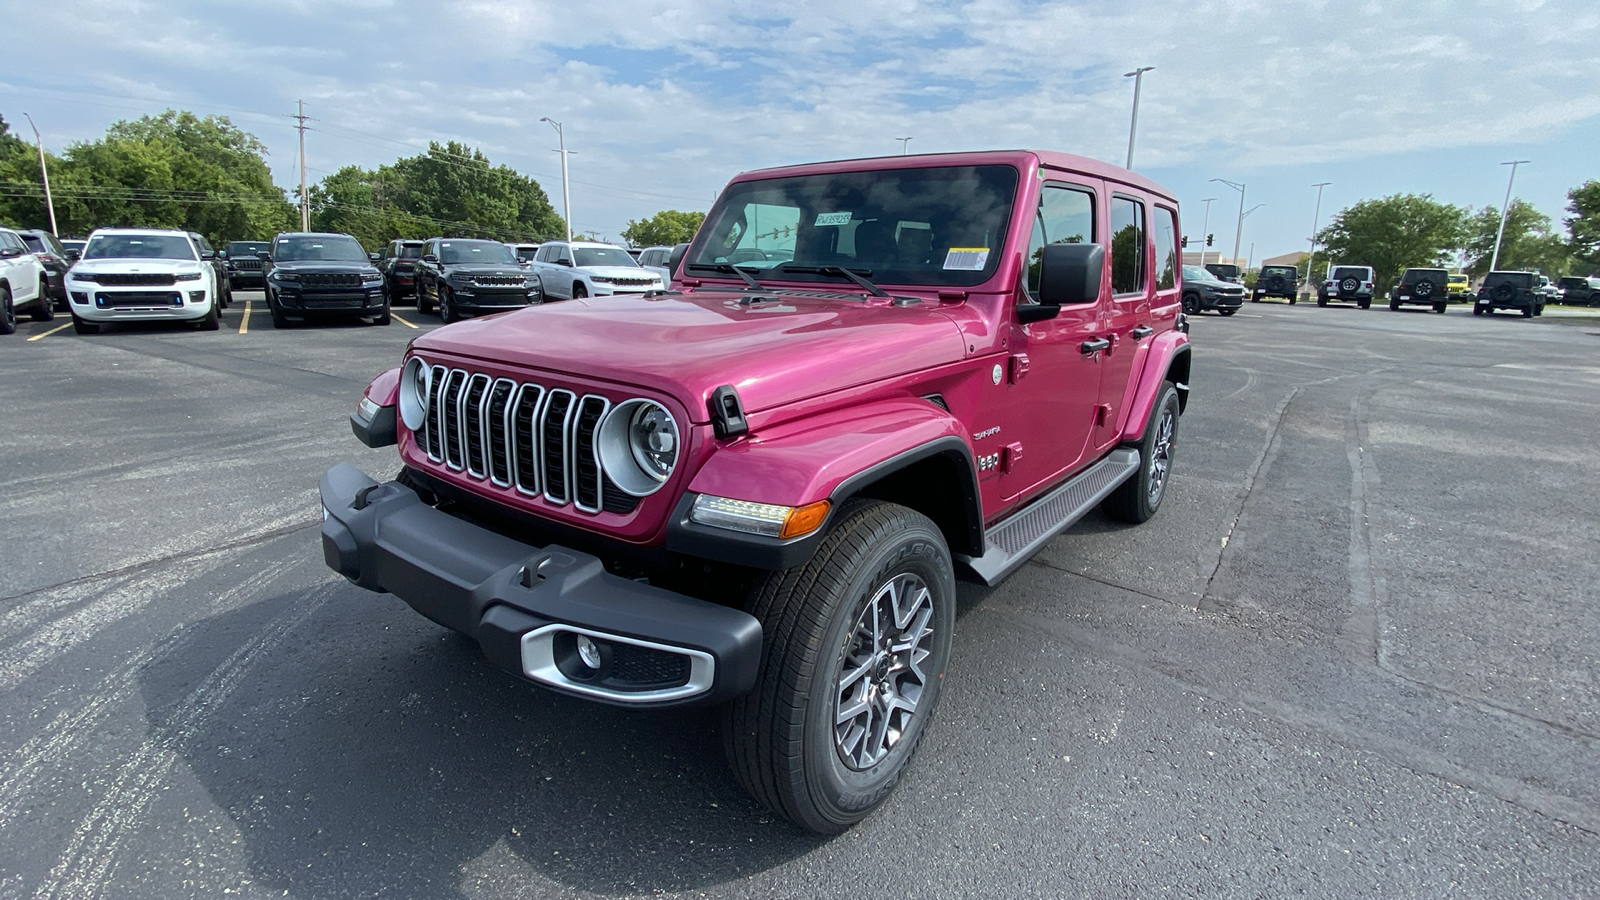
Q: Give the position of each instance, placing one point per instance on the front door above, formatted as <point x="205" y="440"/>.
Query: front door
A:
<point x="1054" y="385"/>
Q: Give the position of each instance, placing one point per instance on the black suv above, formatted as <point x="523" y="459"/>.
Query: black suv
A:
<point x="1203" y="290"/>
<point x="245" y="268"/>
<point x="318" y="276"/>
<point x="1276" y="281"/>
<point x="1423" y="287"/>
<point x="397" y="261"/>
<point x="470" y="277"/>
<point x="1575" y="290"/>
<point x="1509" y="290"/>
<point x="54" y="257"/>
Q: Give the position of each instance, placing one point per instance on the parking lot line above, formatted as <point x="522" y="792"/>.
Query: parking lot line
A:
<point x="244" y="319"/>
<point x="402" y="321"/>
<point x="45" y="334"/>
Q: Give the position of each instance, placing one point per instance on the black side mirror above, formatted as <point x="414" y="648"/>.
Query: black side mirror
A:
<point x="562" y="261"/>
<point x="1069" y="275"/>
<point x="207" y="254"/>
<point x="676" y="256"/>
<point x="73" y="256"/>
<point x="9" y="253"/>
<point x="430" y="259"/>
<point x="372" y="256"/>
<point x="264" y="256"/>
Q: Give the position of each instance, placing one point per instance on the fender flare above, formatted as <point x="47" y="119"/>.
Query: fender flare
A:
<point x="1168" y="351"/>
<point x="834" y="457"/>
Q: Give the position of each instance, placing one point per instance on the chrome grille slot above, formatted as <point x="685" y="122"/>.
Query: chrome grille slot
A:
<point x="497" y="437"/>
<point x="433" y="422"/>
<point x="553" y="423"/>
<point x="585" y="463"/>
<point x="472" y="429"/>
<point x="450" y="400"/>
<point x="525" y="438"/>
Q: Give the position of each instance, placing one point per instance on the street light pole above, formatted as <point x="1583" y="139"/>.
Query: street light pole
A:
<point x="44" y="173"/>
<point x="1494" y="261"/>
<point x="1138" y="81"/>
<point x="1238" y="234"/>
<point x="1207" y="224"/>
<point x="905" y="145"/>
<point x="1311" y="257"/>
<point x="566" y="194"/>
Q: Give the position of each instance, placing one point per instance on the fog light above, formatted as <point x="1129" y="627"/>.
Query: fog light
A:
<point x="588" y="651"/>
<point x="197" y="296"/>
<point x="80" y="297"/>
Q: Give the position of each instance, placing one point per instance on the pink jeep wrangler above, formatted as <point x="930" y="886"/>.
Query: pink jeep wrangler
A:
<point x="758" y="490"/>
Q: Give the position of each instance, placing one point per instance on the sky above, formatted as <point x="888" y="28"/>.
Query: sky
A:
<point x="661" y="102"/>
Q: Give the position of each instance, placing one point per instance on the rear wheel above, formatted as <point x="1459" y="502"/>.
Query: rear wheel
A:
<point x="1138" y="498"/>
<point x="8" y="315"/>
<point x="1322" y="301"/>
<point x="1394" y="305"/>
<point x="1438" y="308"/>
<point x="1478" y="309"/>
<point x="424" y="307"/>
<point x="1364" y="304"/>
<point x="1527" y="312"/>
<point x="854" y="648"/>
<point x="1291" y="299"/>
<point x="44" y="310"/>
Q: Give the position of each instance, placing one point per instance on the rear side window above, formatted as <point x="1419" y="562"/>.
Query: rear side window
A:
<point x="1065" y="216"/>
<point x="1347" y="272"/>
<point x="1517" y="279"/>
<point x="1166" y="249"/>
<point x="1127" y="246"/>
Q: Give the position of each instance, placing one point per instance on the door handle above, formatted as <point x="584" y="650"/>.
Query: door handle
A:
<point x="1090" y="348"/>
<point x="1142" y="332"/>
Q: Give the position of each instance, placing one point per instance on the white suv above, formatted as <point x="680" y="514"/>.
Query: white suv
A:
<point x="588" y="269"/>
<point x="1347" y="284"/>
<point x="142" y="274"/>
<point x="22" y="282"/>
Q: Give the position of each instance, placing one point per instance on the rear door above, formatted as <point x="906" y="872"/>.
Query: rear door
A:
<point x="1128" y="313"/>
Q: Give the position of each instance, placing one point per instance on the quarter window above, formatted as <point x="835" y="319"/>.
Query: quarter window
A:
<point x="1064" y="216"/>
<point x="1127" y="246"/>
<point x="1166" y="249"/>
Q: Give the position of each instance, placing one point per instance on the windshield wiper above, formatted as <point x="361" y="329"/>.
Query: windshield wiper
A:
<point x="836" y="272"/>
<point x="727" y="269"/>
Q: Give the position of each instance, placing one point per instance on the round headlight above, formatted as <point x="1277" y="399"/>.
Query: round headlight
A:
<point x="416" y="382"/>
<point x="638" y="444"/>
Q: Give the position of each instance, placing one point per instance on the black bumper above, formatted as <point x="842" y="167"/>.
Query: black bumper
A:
<point x="526" y="605"/>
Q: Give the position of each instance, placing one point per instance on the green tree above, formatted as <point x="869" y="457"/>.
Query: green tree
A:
<point x="21" y="190"/>
<point x="455" y="187"/>
<point x="669" y="226"/>
<point x="359" y="203"/>
<point x="1393" y="233"/>
<point x="1530" y="242"/>
<point x="1583" y="226"/>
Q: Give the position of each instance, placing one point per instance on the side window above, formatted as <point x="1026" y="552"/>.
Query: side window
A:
<point x="9" y="242"/>
<point x="564" y="252"/>
<point x="1166" y="249"/>
<point x="1127" y="246"/>
<point x="1065" y="216"/>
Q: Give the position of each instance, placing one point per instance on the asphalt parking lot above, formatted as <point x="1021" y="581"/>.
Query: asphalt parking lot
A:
<point x="1355" y="655"/>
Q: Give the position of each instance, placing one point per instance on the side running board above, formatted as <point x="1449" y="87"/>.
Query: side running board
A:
<point x="1012" y="540"/>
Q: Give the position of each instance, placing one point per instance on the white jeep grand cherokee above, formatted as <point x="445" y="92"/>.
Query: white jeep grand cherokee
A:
<point x="143" y="274"/>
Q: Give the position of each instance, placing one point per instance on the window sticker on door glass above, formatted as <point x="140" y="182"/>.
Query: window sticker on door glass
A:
<point x="833" y="218"/>
<point x="966" y="259"/>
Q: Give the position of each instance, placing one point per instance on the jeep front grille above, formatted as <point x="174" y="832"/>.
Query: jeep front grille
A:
<point x="537" y="439"/>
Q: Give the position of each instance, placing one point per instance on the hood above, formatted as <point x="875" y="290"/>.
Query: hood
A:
<point x="774" y="352"/>
<point x="617" y="271"/>
<point x="138" y="266"/>
<point x="326" y="267"/>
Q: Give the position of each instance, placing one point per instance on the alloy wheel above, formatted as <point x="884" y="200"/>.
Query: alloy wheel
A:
<point x="1161" y="458"/>
<point x="881" y="678"/>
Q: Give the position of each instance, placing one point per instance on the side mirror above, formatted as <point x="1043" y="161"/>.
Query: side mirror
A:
<point x="372" y="256"/>
<point x="676" y="256"/>
<point x="207" y="254"/>
<point x="9" y="253"/>
<point x="1069" y="275"/>
<point x="430" y="259"/>
<point x="264" y="256"/>
<point x="563" y="261"/>
<point x="222" y="254"/>
<point x="73" y="256"/>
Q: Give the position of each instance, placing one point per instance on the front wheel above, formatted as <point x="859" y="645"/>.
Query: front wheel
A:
<point x="384" y="317"/>
<point x="1191" y="305"/>
<point x="8" y="313"/>
<point x="1228" y="311"/>
<point x="279" y="320"/>
<point x="82" y="327"/>
<point x="854" y="648"/>
<point x="447" y="306"/>
<point x="1138" y="498"/>
<point x="211" y="320"/>
<point x="579" y="292"/>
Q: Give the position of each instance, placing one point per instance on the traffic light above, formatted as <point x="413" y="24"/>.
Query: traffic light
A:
<point x="1185" y="243"/>
<point x="1209" y="239"/>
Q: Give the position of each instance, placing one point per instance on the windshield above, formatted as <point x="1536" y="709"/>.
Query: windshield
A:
<point x="410" y="251"/>
<point x="486" y="253"/>
<point x="247" y="248"/>
<point x="1280" y="270"/>
<point x="527" y="253"/>
<point x="1195" y="273"/>
<point x="602" y="256"/>
<point x="1414" y="275"/>
<point x="941" y="226"/>
<point x="319" y="249"/>
<point x="1516" y="279"/>
<point x="139" y="246"/>
<point x="1347" y="272"/>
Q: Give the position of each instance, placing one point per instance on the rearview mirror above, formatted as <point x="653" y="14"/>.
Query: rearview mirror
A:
<point x="676" y="256"/>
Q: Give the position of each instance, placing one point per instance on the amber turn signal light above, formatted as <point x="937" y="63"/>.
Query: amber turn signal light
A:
<point x="804" y="519"/>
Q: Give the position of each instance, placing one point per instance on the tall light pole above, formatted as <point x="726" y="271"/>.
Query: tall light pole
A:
<point x="1251" y="255"/>
<point x="44" y="174"/>
<point x="905" y="145"/>
<point x="1494" y="261"/>
<point x="1311" y="257"/>
<point x="1238" y="234"/>
<point x="1207" y="224"/>
<point x="1138" y="81"/>
<point x="566" y="193"/>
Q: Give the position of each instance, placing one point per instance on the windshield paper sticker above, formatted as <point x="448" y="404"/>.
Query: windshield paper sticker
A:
<point x="967" y="259"/>
<point x="833" y="218"/>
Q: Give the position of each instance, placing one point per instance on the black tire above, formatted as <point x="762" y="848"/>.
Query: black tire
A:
<point x="1394" y="305"/>
<point x="1138" y="498"/>
<point x="1191" y="304"/>
<point x="1291" y="299"/>
<point x="579" y="292"/>
<point x="45" y="309"/>
<point x="1364" y="304"/>
<point x="210" y="321"/>
<point x="1527" y="312"/>
<point x="1228" y="312"/>
<point x="783" y="739"/>
<point x="1539" y="310"/>
<point x="1439" y="308"/>
<point x="279" y="320"/>
<point x="424" y="307"/>
<point x="82" y="327"/>
<point x="447" y="306"/>
<point x="8" y="313"/>
<point x="1322" y="301"/>
<point x="1255" y="297"/>
<point x="384" y="317"/>
<point x="1477" y="309"/>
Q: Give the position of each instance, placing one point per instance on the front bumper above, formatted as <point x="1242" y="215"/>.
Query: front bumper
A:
<point x="1209" y="300"/>
<point x="474" y="299"/>
<point x="328" y="300"/>
<point x="527" y="606"/>
<point x="185" y="301"/>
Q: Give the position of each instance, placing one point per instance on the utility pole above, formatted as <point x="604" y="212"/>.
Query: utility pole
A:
<point x="44" y="173"/>
<point x="905" y="145"/>
<point x="1238" y="234"/>
<point x="1311" y="257"/>
<point x="566" y="194"/>
<point x="1207" y="201"/>
<point x="305" y="202"/>
<point x="1138" y="80"/>
<point x="1494" y="261"/>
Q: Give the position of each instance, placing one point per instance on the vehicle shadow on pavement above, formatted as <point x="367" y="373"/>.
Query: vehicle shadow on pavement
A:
<point x="372" y="752"/>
